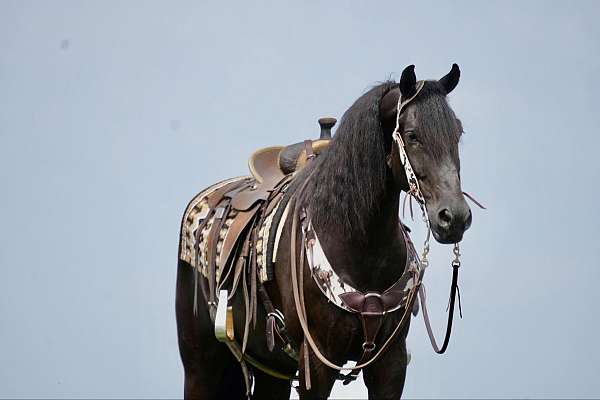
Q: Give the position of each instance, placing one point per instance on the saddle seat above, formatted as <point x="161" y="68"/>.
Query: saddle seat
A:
<point x="270" y="165"/>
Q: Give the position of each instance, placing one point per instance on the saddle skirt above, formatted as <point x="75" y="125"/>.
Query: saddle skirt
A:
<point x="221" y="218"/>
<point x="196" y="254"/>
<point x="195" y="246"/>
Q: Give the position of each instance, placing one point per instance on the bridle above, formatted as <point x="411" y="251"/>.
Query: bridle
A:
<point x="414" y="190"/>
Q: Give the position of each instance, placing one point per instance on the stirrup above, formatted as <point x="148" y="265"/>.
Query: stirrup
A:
<point x="224" y="319"/>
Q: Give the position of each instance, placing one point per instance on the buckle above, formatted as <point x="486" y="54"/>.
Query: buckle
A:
<point x="368" y="346"/>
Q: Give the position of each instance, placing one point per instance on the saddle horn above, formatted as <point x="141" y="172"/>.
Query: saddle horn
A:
<point x="326" y="124"/>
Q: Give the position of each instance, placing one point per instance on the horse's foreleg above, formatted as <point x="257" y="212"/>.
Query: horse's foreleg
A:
<point x="216" y="381"/>
<point x="322" y="378"/>
<point x="268" y="387"/>
<point x="200" y="384"/>
<point x="385" y="378"/>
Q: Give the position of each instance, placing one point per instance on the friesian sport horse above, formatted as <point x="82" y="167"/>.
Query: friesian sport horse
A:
<point x="350" y="195"/>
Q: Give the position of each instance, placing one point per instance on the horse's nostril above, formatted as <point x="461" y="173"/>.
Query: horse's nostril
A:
<point x="445" y="216"/>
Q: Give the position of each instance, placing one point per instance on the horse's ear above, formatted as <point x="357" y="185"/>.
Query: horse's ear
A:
<point x="408" y="80"/>
<point x="450" y="81"/>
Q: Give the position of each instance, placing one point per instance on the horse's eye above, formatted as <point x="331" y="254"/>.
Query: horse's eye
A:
<point x="412" y="137"/>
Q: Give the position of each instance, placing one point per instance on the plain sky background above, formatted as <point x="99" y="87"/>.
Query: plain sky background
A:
<point x="114" y="114"/>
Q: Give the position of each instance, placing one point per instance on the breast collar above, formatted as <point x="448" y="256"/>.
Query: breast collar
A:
<point x="344" y="295"/>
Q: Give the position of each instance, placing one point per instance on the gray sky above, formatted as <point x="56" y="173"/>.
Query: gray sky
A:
<point x="114" y="114"/>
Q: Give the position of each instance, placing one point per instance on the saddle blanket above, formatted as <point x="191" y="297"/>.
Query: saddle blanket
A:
<point x="194" y="248"/>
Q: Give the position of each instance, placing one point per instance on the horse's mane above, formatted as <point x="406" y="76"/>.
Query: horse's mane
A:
<point x="350" y="175"/>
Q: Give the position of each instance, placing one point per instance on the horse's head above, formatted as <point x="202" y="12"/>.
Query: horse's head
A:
<point x="431" y="133"/>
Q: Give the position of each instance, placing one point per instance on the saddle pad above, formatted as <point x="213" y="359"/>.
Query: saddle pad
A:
<point x="195" y="212"/>
<point x="265" y="245"/>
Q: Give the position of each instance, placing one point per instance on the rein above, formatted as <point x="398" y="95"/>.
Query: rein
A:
<point x="454" y="290"/>
<point x="414" y="190"/>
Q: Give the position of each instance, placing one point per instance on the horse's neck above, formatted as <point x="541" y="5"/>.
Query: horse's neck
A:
<point x="371" y="260"/>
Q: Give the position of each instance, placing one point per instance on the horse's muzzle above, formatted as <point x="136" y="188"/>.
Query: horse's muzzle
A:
<point x="449" y="225"/>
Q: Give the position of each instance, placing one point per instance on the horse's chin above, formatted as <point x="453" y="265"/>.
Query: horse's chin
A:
<point x="445" y="237"/>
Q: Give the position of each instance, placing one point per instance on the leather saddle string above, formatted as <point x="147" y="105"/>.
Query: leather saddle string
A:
<point x="248" y="301"/>
<point x="197" y="237"/>
<point x="218" y="222"/>
<point x="239" y="267"/>
<point x="247" y="311"/>
<point x="223" y="279"/>
<point x="301" y="311"/>
<point x="474" y="201"/>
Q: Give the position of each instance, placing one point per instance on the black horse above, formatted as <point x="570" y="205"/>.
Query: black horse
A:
<point x="353" y="197"/>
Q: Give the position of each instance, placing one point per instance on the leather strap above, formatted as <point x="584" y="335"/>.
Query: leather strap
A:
<point x="238" y="225"/>
<point x="253" y="276"/>
<point x="220" y="214"/>
<point x="215" y="197"/>
<point x="213" y="201"/>
<point x="453" y="292"/>
<point x="308" y="146"/>
<point x="372" y="310"/>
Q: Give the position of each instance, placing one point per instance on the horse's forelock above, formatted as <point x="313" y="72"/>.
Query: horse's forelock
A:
<point x="438" y="127"/>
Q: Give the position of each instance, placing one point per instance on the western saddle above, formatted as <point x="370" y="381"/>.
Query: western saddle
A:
<point x="270" y="165"/>
<point x="227" y="237"/>
<point x="235" y="213"/>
